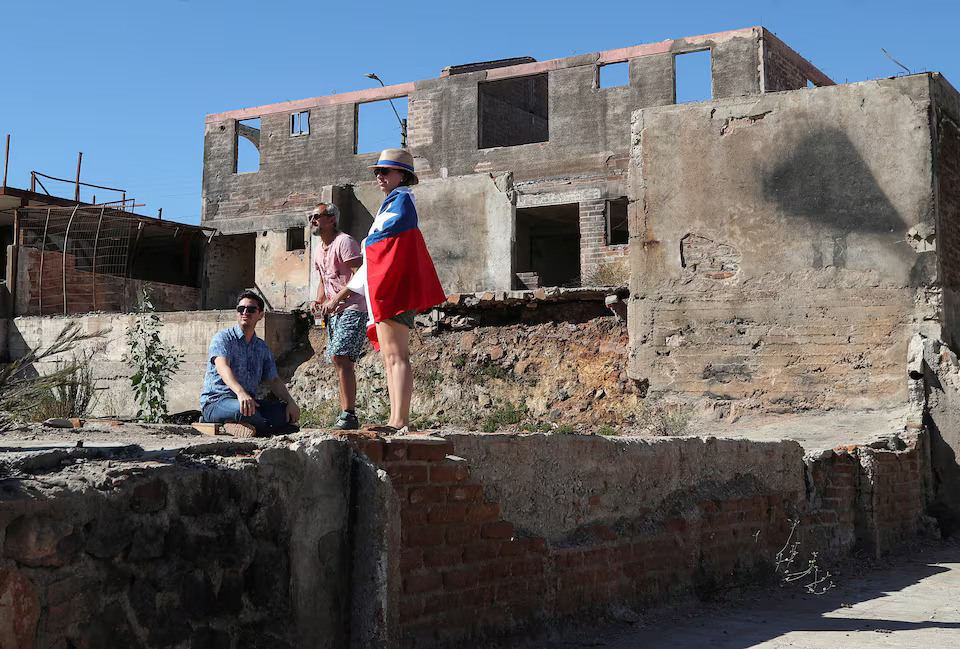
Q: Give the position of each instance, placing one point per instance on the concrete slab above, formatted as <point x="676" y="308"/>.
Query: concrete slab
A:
<point x="815" y="431"/>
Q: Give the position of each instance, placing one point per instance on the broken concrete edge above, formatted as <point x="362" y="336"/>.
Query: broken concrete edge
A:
<point x="488" y="299"/>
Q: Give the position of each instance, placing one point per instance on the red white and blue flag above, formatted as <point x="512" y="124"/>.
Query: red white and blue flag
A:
<point x="397" y="273"/>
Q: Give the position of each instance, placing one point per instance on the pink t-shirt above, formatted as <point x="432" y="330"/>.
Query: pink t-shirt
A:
<point x="331" y="261"/>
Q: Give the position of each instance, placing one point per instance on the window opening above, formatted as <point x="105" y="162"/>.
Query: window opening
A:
<point x="692" y="77"/>
<point x="296" y="239"/>
<point x="300" y="123"/>
<point x="248" y="145"/>
<point x="614" y="75"/>
<point x="381" y="125"/>
<point x="617" y="230"/>
<point x="511" y="112"/>
<point x="547" y="251"/>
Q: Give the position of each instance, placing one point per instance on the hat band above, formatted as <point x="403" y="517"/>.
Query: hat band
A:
<point x="382" y="162"/>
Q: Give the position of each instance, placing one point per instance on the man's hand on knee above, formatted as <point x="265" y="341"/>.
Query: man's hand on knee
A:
<point x="248" y="405"/>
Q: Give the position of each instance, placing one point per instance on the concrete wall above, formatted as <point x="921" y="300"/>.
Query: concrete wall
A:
<point x="415" y="542"/>
<point x="770" y="257"/>
<point x="225" y="552"/>
<point x="188" y="332"/>
<point x="587" y="137"/>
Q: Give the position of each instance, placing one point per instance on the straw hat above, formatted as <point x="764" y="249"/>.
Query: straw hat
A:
<point x="396" y="159"/>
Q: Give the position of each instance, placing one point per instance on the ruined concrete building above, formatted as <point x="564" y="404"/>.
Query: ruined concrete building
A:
<point x="791" y="247"/>
<point x="524" y="165"/>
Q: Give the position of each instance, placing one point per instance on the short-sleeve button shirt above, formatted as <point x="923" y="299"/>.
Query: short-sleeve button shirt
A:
<point x="250" y="362"/>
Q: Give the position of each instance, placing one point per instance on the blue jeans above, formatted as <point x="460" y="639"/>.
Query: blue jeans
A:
<point x="270" y="417"/>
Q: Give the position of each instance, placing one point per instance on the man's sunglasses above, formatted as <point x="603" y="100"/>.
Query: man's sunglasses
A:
<point x="317" y="217"/>
<point x="248" y="309"/>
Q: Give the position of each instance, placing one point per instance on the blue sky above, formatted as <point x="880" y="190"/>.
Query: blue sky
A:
<point x="129" y="83"/>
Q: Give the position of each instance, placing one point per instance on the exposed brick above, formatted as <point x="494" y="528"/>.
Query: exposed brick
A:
<point x="483" y="513"/>
<point x="427" y="495"/>
<point x="408" y="473"/>
<point x="413" y="584"/>
<point x="424" y="535"/>
<point x="447" y="514"/>
<point x="465" y="493"/>
<point x="460" y="534"/>
<point x="497" y="530"/>
<point x="429" y="452"/>
<point x="449" y="472"/>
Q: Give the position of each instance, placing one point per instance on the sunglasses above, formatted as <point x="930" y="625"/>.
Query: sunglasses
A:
<point x="317" y="217"/>
<point x="381" y="172"/>
<point x="248" y="309"/>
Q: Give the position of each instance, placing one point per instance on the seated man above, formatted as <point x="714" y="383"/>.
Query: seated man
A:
<point x="236" y="363"/>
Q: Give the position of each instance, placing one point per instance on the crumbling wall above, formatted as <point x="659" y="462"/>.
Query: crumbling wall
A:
<point x="784" y="69"/>
<point x="283" y="275"/>
<point x="491" y="542"/>
<point x="770" y="260"/>
<point x="188" y="332"/>
<point x="228" y="269"/>
<point x="43" y="293"/>
<point x="234" y="546"/>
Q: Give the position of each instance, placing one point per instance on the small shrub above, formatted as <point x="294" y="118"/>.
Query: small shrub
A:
<point x="612" y="273"/>
<point x="432" y="379"/>
<point x="565" y="429"/>
<point x="496" y="372"/>
<point x="608" y="431"/>
<point x="505" y="415"/>
<point x="320" y="416"/>
<point x="153" y="361"/>
<point x="460" y="361"/>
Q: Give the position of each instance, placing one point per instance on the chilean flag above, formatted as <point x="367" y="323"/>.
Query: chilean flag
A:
<point x="397" y="273"/>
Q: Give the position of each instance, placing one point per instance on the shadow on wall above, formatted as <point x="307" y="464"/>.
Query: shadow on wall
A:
<point x="825" y="180"/>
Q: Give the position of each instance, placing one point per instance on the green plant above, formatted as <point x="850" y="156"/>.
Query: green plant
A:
<point x="496" y="372"/>
<point x="460" y="361"/>
<point x="504" y="415"/>
<point x="432" y="379"/>
<point x="608" y="431"/>
<point x="77" y="396"/>
<point x="23" y="389"/>
<point x="153" y="361"/>
<point x="565" y="429"/>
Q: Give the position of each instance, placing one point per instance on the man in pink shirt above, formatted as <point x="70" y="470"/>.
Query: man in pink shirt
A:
<point x="337" y="257"/>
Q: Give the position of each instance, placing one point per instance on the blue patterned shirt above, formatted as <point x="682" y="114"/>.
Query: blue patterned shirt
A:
<point x="251" y="362"/>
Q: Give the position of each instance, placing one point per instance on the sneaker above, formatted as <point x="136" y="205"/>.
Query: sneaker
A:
<point x="346" y="421"/>
<point x="239" y="429"/>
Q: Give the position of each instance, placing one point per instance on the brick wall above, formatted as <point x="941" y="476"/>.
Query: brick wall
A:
<point x="784" y="69"/>
<point x="466" y="572"/>
<point x="85" y="291"/>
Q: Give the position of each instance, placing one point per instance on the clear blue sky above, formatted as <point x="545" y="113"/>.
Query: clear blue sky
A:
<point x="129" y="83"/>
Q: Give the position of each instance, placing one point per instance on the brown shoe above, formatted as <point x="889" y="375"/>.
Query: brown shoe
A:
<point x="239" y="429"/>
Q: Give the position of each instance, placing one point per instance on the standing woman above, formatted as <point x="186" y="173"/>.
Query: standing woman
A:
<point x="397" y="277"/>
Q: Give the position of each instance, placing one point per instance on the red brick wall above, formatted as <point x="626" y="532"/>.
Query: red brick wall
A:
<point x="86" y="291"/>
<point x="467" y="573"/>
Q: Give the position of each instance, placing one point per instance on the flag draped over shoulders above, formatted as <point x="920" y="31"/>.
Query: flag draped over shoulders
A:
<point x="397" y="273"/>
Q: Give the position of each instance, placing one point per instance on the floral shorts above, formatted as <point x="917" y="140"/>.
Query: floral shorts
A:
<point x="346" y="334"/>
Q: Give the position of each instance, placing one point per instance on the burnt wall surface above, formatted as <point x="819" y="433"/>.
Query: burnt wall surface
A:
<point x="770" y="256"/>
<point x="585" y="125"/>
<point x="946" y="116"/>
<point x="413" y="541"/>
<point x="232" y="547"/>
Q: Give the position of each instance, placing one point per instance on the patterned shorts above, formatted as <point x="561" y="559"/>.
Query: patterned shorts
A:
<point x="346" y="334"/>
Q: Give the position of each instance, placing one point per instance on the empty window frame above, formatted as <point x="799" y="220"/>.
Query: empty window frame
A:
<point x="381" y="125"/>
<point x="247" y="146"/>
<point x="613" y="75"/>
<point x="300" y="123"/>
<point x="548" y="244"/>
<point x="617" y="230"/>
<point x="511" y="112"/>
<point x="296" y="239"/>
<point x="692" y="77"/>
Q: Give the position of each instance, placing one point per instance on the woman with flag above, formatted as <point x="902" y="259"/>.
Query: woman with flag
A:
<point x="397" y="277"/>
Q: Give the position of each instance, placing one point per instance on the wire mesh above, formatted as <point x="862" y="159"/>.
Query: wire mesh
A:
<point x="83" y="258"/>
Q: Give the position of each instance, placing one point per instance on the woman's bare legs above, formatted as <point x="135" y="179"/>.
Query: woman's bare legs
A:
<point x="395" y="350"/>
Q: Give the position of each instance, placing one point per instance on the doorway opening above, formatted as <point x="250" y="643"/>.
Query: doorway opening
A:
<point x="548" y="246"/>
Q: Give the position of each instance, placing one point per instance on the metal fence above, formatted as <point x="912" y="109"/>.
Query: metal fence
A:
<point x="84" y="255"/>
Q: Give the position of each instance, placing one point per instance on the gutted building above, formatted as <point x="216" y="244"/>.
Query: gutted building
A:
<point x="523" y="165"/>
